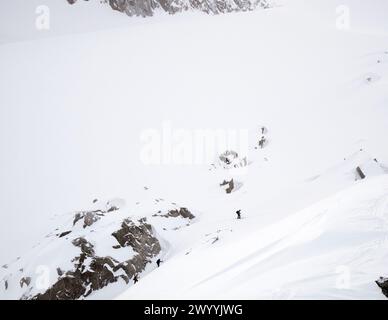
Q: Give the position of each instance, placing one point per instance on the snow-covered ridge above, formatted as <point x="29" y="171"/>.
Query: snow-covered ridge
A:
<point x="92" y="250"/>
<point x="340" y="243"/>
<point x="102" y="251"/>
<point x="147" y="7"/>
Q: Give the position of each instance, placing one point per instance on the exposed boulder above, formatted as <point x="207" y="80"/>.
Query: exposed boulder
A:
<point x="230" y="160"/>
<point x="138" y="236"/>
<point x="25" y="281"/>
<point x="228" y="186"/>
<point x="383" y="285"/>
<point x="88" y="217"/>
<point x="360" y="173"/>
<point x="92" y="216"/>
<point x="228" y="157"/>
<point x="181" y="212"/>
<point x="64" y="234"/>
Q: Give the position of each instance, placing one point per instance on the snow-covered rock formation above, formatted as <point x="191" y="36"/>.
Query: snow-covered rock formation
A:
<point x="93" y="250"/>
<point x="147" y="7"/>
<point x="383" y="284"/>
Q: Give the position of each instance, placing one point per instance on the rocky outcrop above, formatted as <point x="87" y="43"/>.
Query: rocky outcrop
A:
<point x="228" y="157"/>
<point x="230" y="160"/>
<point x="146" y="8"/>
<point x="138" y="236"/>
<point x="92" y="272"/>
<point x="91" y="249"/>
<point x="383" y="285"/>
<point x="64" y="234"/>
<point x="360" y="174"/>
<point x="25" y="281"/>
<point x="181" y="212"/>
<point x="88" y="217"/>
<point x="228" y="186"/>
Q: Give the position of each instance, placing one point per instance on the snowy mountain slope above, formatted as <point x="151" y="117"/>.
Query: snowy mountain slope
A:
<point x="337" y="224"/>
<point x="92" y="249"/>
<point x="324" y="251"/>
<point x="75" y="110"/>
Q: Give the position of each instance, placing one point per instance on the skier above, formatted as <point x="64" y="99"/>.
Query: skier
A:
<point x="238" y="212"/>
<point x="135" y="279"/>
<point x="158" y="262"/>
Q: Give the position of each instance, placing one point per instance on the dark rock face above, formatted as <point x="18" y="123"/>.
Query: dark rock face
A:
<point x="383" y="284"/>
<point x="138" y="237"/>
<point x="64" y="234"/>
<point x="360" y="173"/>
<point x="92" y="249"/>
<point x="146" y="8"/>
<point x="25" y="281"/>
<point x="228" y="185"/>
<point x="92" y="272"/>
<point x="89" y="217"/>
<point x="182" y="212"/>
<point x="142" y="8"/>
